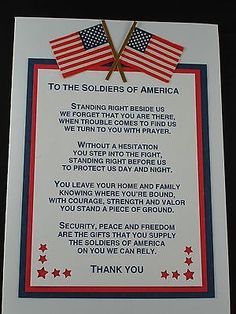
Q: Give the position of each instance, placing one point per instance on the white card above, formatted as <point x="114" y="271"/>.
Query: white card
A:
<point x="116" y="180"/>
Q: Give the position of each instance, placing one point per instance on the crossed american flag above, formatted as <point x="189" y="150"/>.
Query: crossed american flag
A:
<point x="142" y="51"/>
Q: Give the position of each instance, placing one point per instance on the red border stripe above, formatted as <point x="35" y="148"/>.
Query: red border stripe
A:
<point x="29" y="288"/>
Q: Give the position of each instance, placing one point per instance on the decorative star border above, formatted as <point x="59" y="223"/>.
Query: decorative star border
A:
<point x="44" y="272"/>
<point x="188" y="274"/>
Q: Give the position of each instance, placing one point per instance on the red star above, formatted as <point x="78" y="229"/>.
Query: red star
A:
<point x="67" y="273"/>
<point x="188" y="261"/>
<point x="56" y="273"/>
<point x="189" y="274"/>
<point x="175" y="274"/>
<point x="188" y="250"/>
<point x="43" y="247"/>
<point x="42" y="273"/>
<point x="164" y="274"/>
<point x="42" y="259"/>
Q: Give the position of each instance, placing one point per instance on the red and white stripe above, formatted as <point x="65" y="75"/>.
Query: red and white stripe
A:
<point x="159" y="59"/>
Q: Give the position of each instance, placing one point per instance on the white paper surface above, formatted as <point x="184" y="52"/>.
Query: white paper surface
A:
<point x="179" y="269"/>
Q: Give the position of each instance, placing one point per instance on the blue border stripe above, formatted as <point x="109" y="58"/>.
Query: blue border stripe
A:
<point x="208" y="206"/>
<point x="31" y="63"/>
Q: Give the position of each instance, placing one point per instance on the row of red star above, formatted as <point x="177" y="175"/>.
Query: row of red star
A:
<point x="175" y="274"/>
<point x="42" y="273"/>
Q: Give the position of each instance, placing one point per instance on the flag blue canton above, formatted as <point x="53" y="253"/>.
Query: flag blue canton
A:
<point x="139" y="40"/>
<point x="93" y="37"/>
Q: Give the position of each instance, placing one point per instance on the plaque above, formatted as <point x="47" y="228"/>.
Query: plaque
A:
<point x="116" y="178"/>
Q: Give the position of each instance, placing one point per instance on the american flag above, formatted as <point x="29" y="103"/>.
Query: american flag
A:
<point x="152" y="54"/>
<point x="80" y="51"/>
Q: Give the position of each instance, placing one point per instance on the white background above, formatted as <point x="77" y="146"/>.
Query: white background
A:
<point x="201" y="42"/>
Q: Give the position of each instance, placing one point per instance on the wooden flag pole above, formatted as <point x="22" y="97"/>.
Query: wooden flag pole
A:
<point x="119" y="67"/>
<point x="115" y="63"/>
